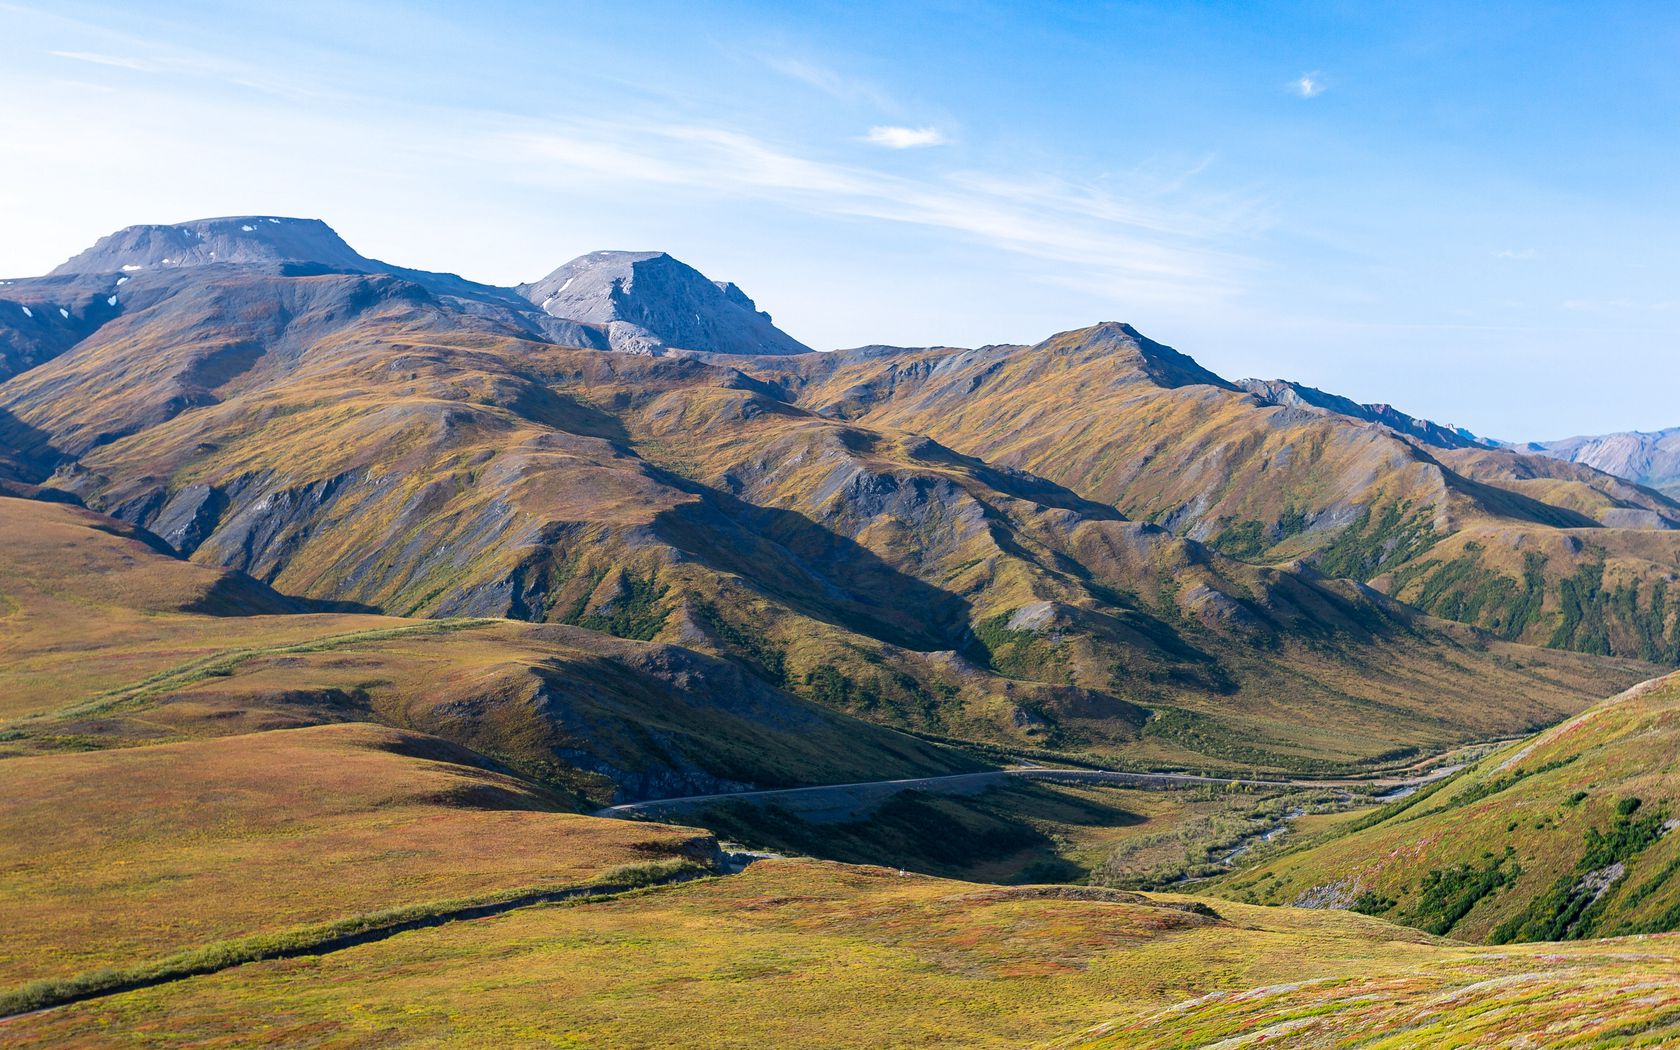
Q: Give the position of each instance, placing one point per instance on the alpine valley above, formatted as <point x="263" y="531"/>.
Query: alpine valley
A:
<point x="391" y="659"/>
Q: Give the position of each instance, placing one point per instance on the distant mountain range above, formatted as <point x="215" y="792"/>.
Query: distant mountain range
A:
<point x="1648" y="458"/>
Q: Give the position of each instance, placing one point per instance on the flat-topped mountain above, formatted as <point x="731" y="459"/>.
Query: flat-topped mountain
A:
<point x="250" y="240"/>
<point x="650" y="301"/>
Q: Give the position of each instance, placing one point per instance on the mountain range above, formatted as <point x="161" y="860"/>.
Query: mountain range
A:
<point x="1091" y="545"/>
<point x="342" y="603"/>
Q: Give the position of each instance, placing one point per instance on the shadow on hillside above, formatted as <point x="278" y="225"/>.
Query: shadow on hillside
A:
<point x="1018" y="484"/>
<point x="26" y="452"/>
<point x="813" y="570"/>
<point x="543" y="404"/>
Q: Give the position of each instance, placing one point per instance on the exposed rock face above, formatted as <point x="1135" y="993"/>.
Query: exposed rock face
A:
<point x="1276" y="472"/>
<point x="1650" y="459"/>
<point x="636" y="302"/>
<point x="651" y="302"/>
<point x="1298" y="395"/>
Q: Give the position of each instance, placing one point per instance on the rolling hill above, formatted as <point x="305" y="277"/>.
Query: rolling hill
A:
<point x="783" y="953"/>
<point x="111" y="642"/>
<point x="334" y="594"/>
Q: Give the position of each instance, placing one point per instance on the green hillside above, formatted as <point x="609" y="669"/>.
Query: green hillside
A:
<point x="1564" y="836"/>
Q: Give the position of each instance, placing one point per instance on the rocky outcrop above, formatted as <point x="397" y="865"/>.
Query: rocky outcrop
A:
<point x="1299" y="395"/>
<point x="650" y="302"/>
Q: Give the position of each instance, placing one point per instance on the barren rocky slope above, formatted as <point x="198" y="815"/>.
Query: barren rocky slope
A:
<point x="1646" y="458"/>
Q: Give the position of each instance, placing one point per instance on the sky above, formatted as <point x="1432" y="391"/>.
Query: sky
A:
<point x="1471" y="212"/>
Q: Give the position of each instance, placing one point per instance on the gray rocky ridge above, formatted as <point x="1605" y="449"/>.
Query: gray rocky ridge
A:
<point x="650" y="302"/>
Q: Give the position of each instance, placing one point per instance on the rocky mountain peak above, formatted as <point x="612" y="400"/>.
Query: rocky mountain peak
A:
<point x="1163" y="365"/>
<point x="652" y="302"/>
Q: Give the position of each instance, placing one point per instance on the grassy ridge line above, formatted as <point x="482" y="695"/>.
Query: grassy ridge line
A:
<point x="224" y="663"/>
<point x="321" y="938"/>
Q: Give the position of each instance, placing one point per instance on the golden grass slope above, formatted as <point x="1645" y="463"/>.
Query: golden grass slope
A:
<point x="1603" y="995"/>
<point x="51" y="558"/>
<point x="1118" y="418"/>
<point x="800" y="953"/>
<point x="1591" y="590"/>
<point x="1562" y="836"/>
<point x="88" y="604"/>
<point x="113" y="858"/>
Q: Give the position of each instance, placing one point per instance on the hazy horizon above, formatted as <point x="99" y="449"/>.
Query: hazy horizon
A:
<point x="1460" y="214"/>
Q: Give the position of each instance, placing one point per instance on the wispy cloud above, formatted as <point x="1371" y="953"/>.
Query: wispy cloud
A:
<point x="1123" y="238"/>
<point x="158" y="53"/>
<point x="1519" y="254"/>
<point x="832" y="83"/>
<point x="893" y="137"/>
<point x="1308" y="85"/>
<point x="105" y="60"/>
<point x="1619" y="306"/>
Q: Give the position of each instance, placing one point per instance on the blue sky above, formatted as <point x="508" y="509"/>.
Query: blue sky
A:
<point x="1471" y="214"/>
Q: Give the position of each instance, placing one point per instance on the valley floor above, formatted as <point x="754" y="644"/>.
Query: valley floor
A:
<point x="209" y="904"/>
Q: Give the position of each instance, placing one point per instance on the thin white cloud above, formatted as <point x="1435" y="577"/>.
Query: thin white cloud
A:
<point x="161" y="56"/>
<point x="1308" y="85"/>
<point x="1621" y="305"/>
<point x="831" y="83"/>
<point x="893" y="137"/>
<point x="104" y="60"/>
<point x="1141" y="235"/>
<point x="1122" y="238"/>
<point x="1521" y="254"/>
